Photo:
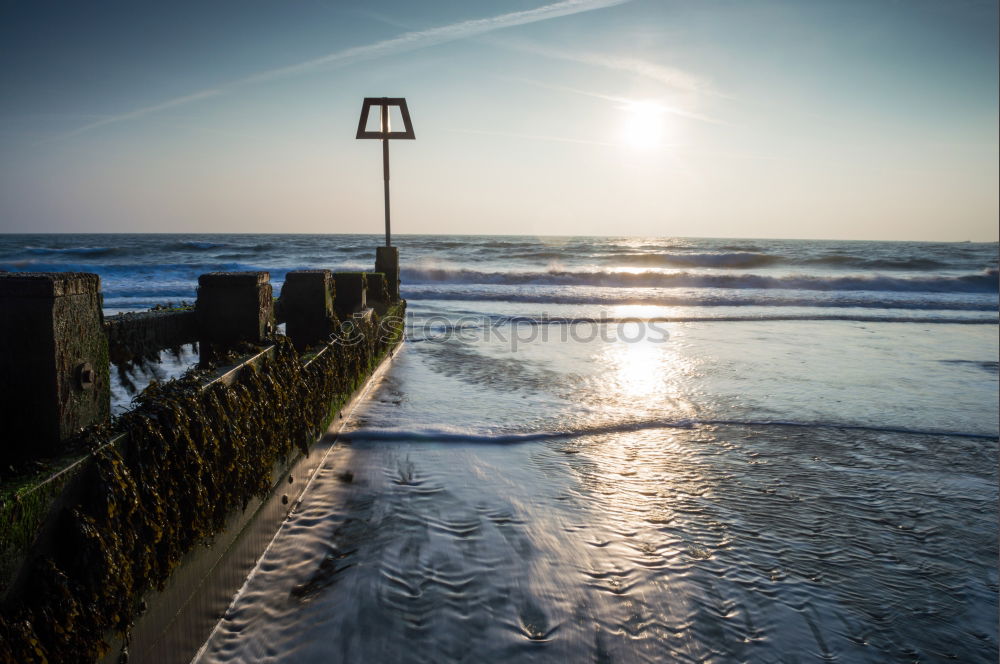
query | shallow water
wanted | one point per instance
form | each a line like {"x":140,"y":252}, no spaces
{"x":628,"y":450}
{"x":570,"y":502}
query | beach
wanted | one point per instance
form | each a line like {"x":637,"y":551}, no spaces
{"x":625,"y":449}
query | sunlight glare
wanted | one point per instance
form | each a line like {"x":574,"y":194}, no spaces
{"x":644,"y":125}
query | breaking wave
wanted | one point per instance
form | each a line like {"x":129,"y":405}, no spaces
{"x":730,"y":260}
{"x":984,"y":282}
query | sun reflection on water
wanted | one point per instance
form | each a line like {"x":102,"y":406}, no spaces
{"x":645,"y":371}
{"x":640,"y":369}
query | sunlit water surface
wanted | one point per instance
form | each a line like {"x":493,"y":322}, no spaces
{"x":738,"y":491}
{"x":811,"y":475}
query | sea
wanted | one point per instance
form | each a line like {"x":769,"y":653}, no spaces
{"x":622,"y":449}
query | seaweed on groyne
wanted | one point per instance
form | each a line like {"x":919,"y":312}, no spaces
{"x":191,"y":457}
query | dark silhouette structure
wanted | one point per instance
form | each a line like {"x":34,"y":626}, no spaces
{"x":385,"y":133}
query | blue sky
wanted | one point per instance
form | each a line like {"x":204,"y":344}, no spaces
{"x":857,"y":119}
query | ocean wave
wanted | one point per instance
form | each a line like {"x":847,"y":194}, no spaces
{"x":741,"y":254}
{"x":74,"y":251}
{"x":614,"y":297}
{"x":727,"y":260}
{"x":740,"y":247}
{"x":142,"y":270}
{"x":453,"y":436}
{"x":535,"y":256}
{"x":175,"y":246}
{"x":235,"y":256}
{"x":434,"y":328}
{"x":193,"y":245}
{"x":492,"y":245}
{"x":984,"y":282}
{"x":151,"y":291}
{"x":859,"y":262}
{"x":731,"y":260}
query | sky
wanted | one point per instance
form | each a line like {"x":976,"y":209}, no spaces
{"x":850,"y":119}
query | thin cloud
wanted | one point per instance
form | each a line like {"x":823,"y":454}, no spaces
{"x":403,"y":43}
{"x":670,"y":77}
{"x":146,"y":110}
{"x":622,"y":101}
{"x":534,"y":137}
{"x":440,"y":35}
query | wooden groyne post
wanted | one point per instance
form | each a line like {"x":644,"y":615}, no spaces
{"x":387,"y":263}
{"x":56,"y":346}
{"x":53,"y":359}
{"x":233,"y":307}
{"x":69,"y":505}
{"x":307,"y":306}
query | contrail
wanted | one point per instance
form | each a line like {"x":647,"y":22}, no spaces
{"x":534,"y":137}
{"x":177,"y":101}
{"x":408,"y":41}
{"x":622,"y":101}
{"x":440,"y":35}
{"x":668,"y":76}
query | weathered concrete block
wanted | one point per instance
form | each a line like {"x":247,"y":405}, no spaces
{"x":234,"y":307}
{"x":350,"y":293}
{"x":306,"y":304}
{"x":387,"y":262}
{"x":53,"y":358}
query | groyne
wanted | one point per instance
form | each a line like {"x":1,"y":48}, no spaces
{"x":124,"y":538}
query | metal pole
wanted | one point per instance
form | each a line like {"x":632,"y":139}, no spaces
{"x":385,"y":168}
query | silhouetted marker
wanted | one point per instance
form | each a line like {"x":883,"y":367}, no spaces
{"x":385,"y":133}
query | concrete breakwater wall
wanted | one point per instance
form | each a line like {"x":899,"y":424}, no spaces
{"x":114,"y":532}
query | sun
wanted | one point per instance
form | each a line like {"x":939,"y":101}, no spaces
{"x":644,"y":125}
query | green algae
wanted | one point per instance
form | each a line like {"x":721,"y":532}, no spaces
{"x":24,"y":503}
{"x":192,"y":456}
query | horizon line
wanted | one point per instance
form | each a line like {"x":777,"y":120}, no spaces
{"x":380,"y":234}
